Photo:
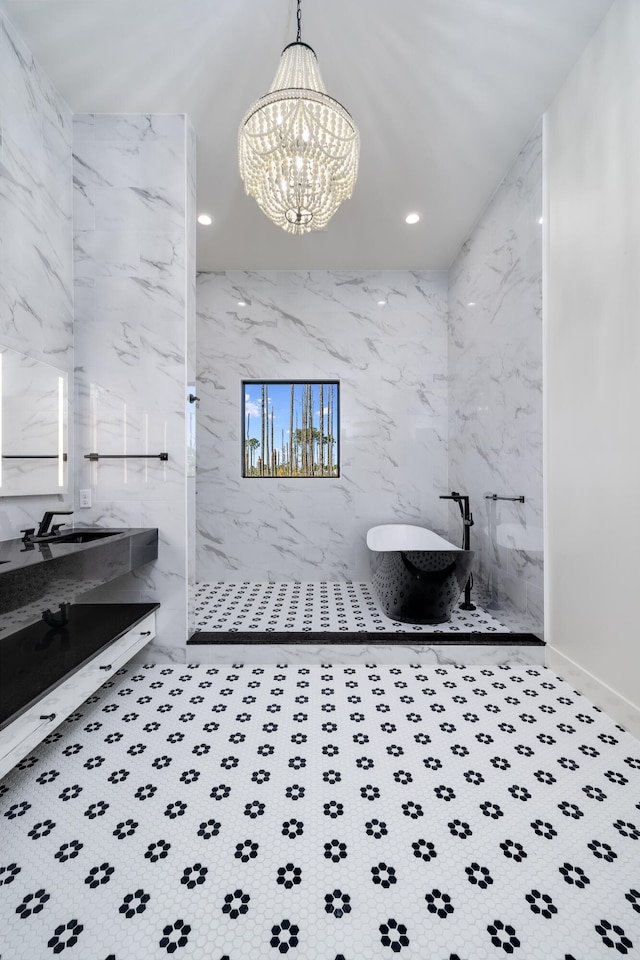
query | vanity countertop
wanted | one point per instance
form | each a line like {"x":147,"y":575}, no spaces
{"x":41,"y":575}
{"x":17,"y":555}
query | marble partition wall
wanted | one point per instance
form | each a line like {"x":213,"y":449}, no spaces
{"x":495,"y":391}
{"x":36,"y":266}
{"x":134,"y":179}
{"x":191,"y":407}
{"x":383,"y":335}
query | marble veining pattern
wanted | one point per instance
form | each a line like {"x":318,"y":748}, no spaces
{"x":433,"y":651}
{"x":495,"y":389}
{"x":134,"y":199}
{"x":391,"y":361}
{"x":323,"y":812}
{"x":36,"y":272}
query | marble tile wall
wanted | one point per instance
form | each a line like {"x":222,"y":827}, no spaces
{"x":134,"y":180}
{"x":495,"y":391}
{"x":36,"y":266}
{"x":433,"y":654}
{"x":391,"y":361}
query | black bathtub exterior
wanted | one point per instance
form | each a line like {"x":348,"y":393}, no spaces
{"x":420,"y":586}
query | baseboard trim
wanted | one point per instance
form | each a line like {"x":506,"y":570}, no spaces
{"x":623,"y":711}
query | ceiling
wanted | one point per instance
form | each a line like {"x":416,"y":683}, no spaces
{"x":444,"y":93}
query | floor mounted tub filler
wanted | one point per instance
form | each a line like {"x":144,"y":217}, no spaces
{"x":417,"y":576}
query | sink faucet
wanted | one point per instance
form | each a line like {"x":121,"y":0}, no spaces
{"x":43,"y":529}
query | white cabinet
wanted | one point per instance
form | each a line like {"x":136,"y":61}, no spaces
{"x":35,"y":723}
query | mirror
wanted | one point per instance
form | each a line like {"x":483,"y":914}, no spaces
{"x":33,"y":426}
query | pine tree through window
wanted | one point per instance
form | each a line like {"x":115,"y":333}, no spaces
{"x":290,"y":428}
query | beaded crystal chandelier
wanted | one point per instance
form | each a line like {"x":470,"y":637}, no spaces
{"x":297,"y":146}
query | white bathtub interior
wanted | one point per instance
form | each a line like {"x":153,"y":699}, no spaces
{"x":404,"y":537}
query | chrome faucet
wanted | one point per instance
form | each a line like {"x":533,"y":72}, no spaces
{"x":43,"y":529}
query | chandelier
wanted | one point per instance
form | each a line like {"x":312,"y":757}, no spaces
{"x":297,"y":146}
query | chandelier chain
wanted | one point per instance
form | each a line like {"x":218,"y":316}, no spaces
{"x":299,"y":18}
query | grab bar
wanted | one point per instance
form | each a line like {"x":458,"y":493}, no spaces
{"x":494,"y":496}
{"x":125,"y":456}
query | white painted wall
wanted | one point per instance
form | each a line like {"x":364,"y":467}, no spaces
{"x":592,"y":351}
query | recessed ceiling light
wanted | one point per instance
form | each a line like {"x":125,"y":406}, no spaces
{"x":242,"y":303}
{"x":471,"y":303}
{"x":205,"y":220}
{"x":412,"y":218}
{"x":382,"y":303}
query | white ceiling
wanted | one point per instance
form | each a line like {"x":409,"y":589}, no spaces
{"x":444,"y":93}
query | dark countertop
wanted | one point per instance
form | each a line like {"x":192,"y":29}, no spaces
{"x":39,"y":576}
{"x":37,"y":659}
{"x":16,"y":554}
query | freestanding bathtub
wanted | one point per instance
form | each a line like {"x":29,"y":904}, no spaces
{"x":417,"y":576}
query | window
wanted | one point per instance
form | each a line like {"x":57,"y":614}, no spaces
{"x":290,"y":428}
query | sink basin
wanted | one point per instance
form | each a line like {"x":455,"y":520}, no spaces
{"x":83,"y":536}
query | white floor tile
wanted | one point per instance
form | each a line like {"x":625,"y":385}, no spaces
{"x":323,"y":812}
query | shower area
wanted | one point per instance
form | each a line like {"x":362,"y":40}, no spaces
{"x":440,"y":385}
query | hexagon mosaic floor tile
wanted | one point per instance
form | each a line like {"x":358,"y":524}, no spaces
{"x":325,"y":813}
{"x":287,"y":606}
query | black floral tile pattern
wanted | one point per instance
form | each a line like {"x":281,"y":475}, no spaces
{"x":281,"y":607}
{"x":325,"y":813}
